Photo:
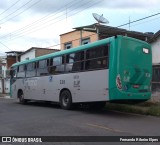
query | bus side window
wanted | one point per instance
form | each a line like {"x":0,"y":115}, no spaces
{"x":42,"y":68}
{"x":69,"y":62}
{"x":78,"y":61}
{"x":31,"y":69}
{"x":21,"y":71}
{"x":57,"y":65}
{"x":97,"y":58}
{"x":75,"y":61}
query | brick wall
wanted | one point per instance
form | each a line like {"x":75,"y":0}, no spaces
{"x":10,"y":60}
{"x":74,"y":37}
{"x":40,"y":52}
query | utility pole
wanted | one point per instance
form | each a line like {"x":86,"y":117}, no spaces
{"x":129,"y":22}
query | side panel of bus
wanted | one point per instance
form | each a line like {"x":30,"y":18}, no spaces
{"x":84,"y":87}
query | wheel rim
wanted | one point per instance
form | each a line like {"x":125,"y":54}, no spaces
{"x":65,"y":99}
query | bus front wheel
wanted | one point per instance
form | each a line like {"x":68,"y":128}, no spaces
{"x":66,"y":100}
{"x":21,"y":97}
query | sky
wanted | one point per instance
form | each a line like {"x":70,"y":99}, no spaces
{"x":38,"y":23}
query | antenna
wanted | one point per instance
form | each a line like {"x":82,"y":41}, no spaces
{"x":100,"y":18}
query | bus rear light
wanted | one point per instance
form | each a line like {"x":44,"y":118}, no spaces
{"x":135,"y":86}
{"x":145,"y":50}
{"x":118,"y":82}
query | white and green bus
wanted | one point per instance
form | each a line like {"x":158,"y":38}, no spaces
{"x":112,"y":69}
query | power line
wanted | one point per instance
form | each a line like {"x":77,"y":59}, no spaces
{"x":117,"y":27}
{"x":39,"y":20}
{"x":6,"y":46}
{"x":145,"y":22}
{"x":16,"y":10}
{"x":125,"y":23}
{"x":9,"y":48}
{"x":60,"y":18}
{"x":10,"y":7}
{"x":21,"y":12}
{"x":139,"y":20}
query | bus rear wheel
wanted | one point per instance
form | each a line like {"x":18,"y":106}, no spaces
{"x":21,"y":97}
{"x":66,"y":100}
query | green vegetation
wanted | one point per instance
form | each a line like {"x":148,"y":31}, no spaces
{"x":145,"y":108}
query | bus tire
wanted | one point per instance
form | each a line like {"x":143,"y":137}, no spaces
{"x":66,"y":100}
{"x":21,"y":97}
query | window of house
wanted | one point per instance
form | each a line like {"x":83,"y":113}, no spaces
{"x":68,"y":45}
{"x":156,"y":74}
{"x":85,"y":41}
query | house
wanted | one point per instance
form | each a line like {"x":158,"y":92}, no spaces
{"x":72,"y":39}
{"x":35,"y":52}
{"x":3,"y":69}
{"x":12,"y":57}
{"x":90,"y":33}
{"x":155,"y":43}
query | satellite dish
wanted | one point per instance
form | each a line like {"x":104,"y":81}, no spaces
{"x":100,"y":18}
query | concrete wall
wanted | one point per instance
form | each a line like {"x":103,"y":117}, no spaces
{"x":28,"y":55}
{"x":5,"y":86}
{"x":74,"y":37}
{"x":35,"y":53}
{"x":4,"y":68}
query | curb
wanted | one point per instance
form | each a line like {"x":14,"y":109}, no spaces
{"x":5,"y":97}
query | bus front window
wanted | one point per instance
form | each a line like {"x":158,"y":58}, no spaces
{"x":13,"y":72}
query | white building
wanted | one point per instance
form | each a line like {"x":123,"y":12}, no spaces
{"x":35,"y":52}
{"x":4,"y":80}
{"x":3,"y":66}
{"x":155,"y":43}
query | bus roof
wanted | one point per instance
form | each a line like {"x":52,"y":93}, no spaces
{"x":71,"y":50}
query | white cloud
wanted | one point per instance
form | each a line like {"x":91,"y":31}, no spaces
{"x":44,"y":37}
{"x":128,"y":4}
